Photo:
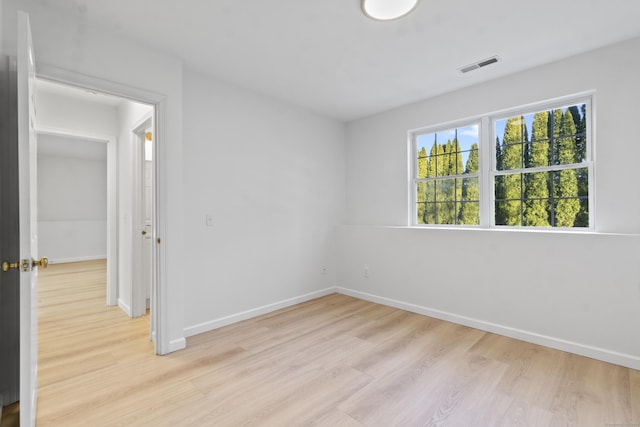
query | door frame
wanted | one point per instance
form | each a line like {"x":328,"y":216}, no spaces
{"x":159,"y":102}
{"x":112,"y":200}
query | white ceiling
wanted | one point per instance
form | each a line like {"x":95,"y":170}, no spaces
{"x":328,"y":57}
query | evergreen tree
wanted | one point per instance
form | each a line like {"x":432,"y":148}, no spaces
{"x":421,"y":189}
{"x":455,"y":158}
{"x":581,"y":151}
{"x":555,"y":131}
{"x":448,"y":162}
{"x":470,"y":209}
{"x":432,"y":164}
{"x":566,"y":191}
{"x":498,"y":185}
{"x":429,"y":188}
{"x":526,"y":148}
{"x":455,"y":168}
{"x":536,"y":211}
{"x":498,"y":154}
{"x":579,"y":118}
{"x":510,"y":210}
{"x":445,"y":188}
{"x":422,"y":163}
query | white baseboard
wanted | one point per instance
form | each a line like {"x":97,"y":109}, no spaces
{"x":178,"y":344}
{"x":605,"y":355}
{"x":77,"y":259}
{"x":124,"y":307}
{"x":238,"y":317}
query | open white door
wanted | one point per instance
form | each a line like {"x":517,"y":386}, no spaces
{"x":28,"y":226}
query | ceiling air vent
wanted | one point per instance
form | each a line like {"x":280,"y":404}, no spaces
{"x":479,"y":64}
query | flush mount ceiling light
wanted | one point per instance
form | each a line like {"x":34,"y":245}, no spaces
{"x":385,"y":10}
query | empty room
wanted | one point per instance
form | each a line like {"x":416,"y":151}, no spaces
{"x":349,"y":213}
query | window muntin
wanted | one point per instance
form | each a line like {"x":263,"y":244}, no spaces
{"x":538,"y":173}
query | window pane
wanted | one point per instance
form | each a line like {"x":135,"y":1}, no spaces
{"x":448,"y":201}
{"x":539,"y":154}
{"x":543,"y":199}
{"x":566,"y":211}
{"x":445,"y":213}
{"x":470,"y":206}
{"x":447,"y":193}
{"x":571,"y":198}
{"x":555,"y":137}
{"x":423,"y":162}
{"x":508,"y":212}
{"x":469,"y":213}
{"x":447,"y":152}
{"x":425,"y":193}
{"x":536,"y":200}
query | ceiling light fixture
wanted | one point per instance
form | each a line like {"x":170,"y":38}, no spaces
{"x":386,"y":10}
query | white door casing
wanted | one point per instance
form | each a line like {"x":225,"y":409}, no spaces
{"x":28,"y":224}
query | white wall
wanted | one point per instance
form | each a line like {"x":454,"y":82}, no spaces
{"x":272,"y":176}
{"x":575,"y":290}
{"x":71,"y":46}
{"x":72,"y":199}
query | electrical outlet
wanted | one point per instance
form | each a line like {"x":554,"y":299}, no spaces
{"x":365,"y":272}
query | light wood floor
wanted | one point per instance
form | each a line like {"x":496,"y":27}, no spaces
{"x":334,"y":361}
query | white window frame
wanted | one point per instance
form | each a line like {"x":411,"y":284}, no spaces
{"x":487,"y":168}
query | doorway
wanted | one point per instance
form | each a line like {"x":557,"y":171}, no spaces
{"x":117,"y":122}
{"x":143,"y":216}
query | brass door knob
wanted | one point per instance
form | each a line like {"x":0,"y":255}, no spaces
{"x":23,"y":265}
{"x":42,"y":262}
{"x":6,"y":266}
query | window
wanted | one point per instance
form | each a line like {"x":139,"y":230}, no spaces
{"x":447,"y":176}
{"x":537,"y":173}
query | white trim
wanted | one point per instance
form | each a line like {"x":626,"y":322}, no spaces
{"x":248,"y":314}
{"x":626,"y":360}
{"x":124,"y":307}
{"x":178,"y":344}
{"x":78,"y":259}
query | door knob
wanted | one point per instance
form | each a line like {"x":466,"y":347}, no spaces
{"x":42,"y":262}
{"x":6,"y":266}
{"x":22,"y":265}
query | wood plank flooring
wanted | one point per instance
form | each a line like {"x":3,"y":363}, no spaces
{"x":334,"y":361}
